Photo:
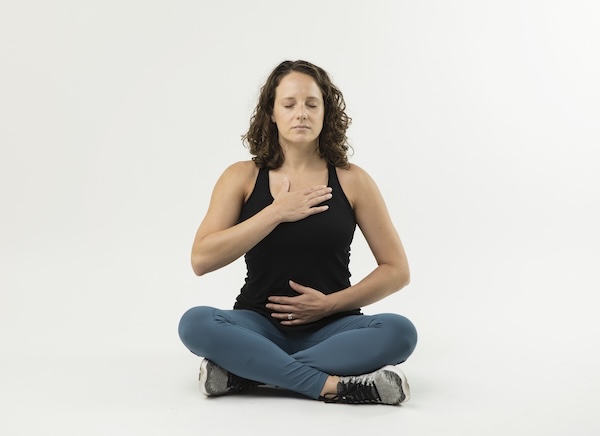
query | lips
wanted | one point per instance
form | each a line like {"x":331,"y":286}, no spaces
{"x":301,"y":127}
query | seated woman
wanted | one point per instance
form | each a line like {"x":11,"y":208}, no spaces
{"x":292,"y":211}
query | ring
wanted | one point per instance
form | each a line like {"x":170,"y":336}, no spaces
{"x":290,"y":317}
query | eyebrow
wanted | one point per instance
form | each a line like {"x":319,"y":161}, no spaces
{"x":308,"y":98}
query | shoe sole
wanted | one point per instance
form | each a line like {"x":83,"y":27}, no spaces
{"x":204,"y":376}
{"x":405,"y":394}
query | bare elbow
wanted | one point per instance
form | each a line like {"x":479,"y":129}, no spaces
{"x":402,"y":278}
{"x":406,"y":279}
{"x":198,"y":266}
{"x":197,"y":270}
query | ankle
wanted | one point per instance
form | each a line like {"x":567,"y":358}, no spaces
{"x":330,"y":386}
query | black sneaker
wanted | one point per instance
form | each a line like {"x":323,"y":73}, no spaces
{"x":387,"y":385}
{"x":215,"y":381}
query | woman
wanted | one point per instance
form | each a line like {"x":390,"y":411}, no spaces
{"x":292,"y":211}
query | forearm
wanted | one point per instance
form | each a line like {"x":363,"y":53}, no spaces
{"x":221,"y":248}
{"x":382,"y":282}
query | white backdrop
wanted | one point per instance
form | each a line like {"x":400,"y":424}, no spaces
{"x":480,"y":121}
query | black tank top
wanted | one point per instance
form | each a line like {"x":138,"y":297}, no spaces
{"x":313,"y":252}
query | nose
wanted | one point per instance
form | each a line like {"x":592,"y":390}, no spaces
{"x":302,"y":112}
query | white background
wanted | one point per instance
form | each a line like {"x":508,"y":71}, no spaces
{"x":479,"y":120}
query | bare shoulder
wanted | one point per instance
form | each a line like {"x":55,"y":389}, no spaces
{"x":240,"y":172}
{"x":356,"y":183}
{"x":352,"y":174}
{"x":240,"y":177}
{"x":241,"y":169}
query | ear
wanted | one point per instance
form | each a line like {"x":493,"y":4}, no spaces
{"x":272,"y":119}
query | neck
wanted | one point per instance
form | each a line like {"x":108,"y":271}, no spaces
{"x":299,"y":157}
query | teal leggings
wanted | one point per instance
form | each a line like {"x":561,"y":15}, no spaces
{"x":250,"y":346}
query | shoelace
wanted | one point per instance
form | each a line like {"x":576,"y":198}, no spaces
{"x":238,"y":383}
{"x":356,"y":390}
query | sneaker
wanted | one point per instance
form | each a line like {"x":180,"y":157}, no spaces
{"x":215,"y":381}
{"x":387,"y":385}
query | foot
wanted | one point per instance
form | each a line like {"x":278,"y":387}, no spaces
{"x":215,"y":381}
{"x":387,"y":385}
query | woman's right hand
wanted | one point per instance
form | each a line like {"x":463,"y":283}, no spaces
{"x":221,"y":238}
{"x":296,"y":205}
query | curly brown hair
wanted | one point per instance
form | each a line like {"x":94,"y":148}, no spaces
{"x":262,"y":138}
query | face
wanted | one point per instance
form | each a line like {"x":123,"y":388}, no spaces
{"x":298,"y":109}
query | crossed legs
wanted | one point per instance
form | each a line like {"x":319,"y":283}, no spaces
{"x":250,"y":346}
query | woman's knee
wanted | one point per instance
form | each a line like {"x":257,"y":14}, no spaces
{"x":402,"y":333}
{"x":194,"y":323}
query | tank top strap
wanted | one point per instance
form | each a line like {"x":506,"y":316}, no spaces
{"x":332,"y":178}
{"x":262,"y":180}
{"x":334,"y":183}
{"x":260,"y":196}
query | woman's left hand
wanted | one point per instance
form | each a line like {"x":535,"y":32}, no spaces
{"x":311,"y":305}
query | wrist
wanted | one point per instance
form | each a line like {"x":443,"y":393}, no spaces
{"x":333,"y":303}
{"x":274,"y":214}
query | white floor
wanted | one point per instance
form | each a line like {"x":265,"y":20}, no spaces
{"x":86,"y":353}
{"x":482,"y":379}
{"x":156,"y":394}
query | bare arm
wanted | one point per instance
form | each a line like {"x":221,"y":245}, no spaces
{"x":220,"y":239}
{"x":390,"y":275}
{"x":392,"y":272}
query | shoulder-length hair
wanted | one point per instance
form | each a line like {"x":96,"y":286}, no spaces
{"x":262,"y":138}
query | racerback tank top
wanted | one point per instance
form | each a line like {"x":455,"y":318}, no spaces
{"x":313,"y":252}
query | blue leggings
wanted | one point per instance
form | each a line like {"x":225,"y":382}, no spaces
{"x":250,"y":346}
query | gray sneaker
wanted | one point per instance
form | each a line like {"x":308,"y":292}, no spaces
{"x":387,"y":385}
{"x":215,"y":381}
